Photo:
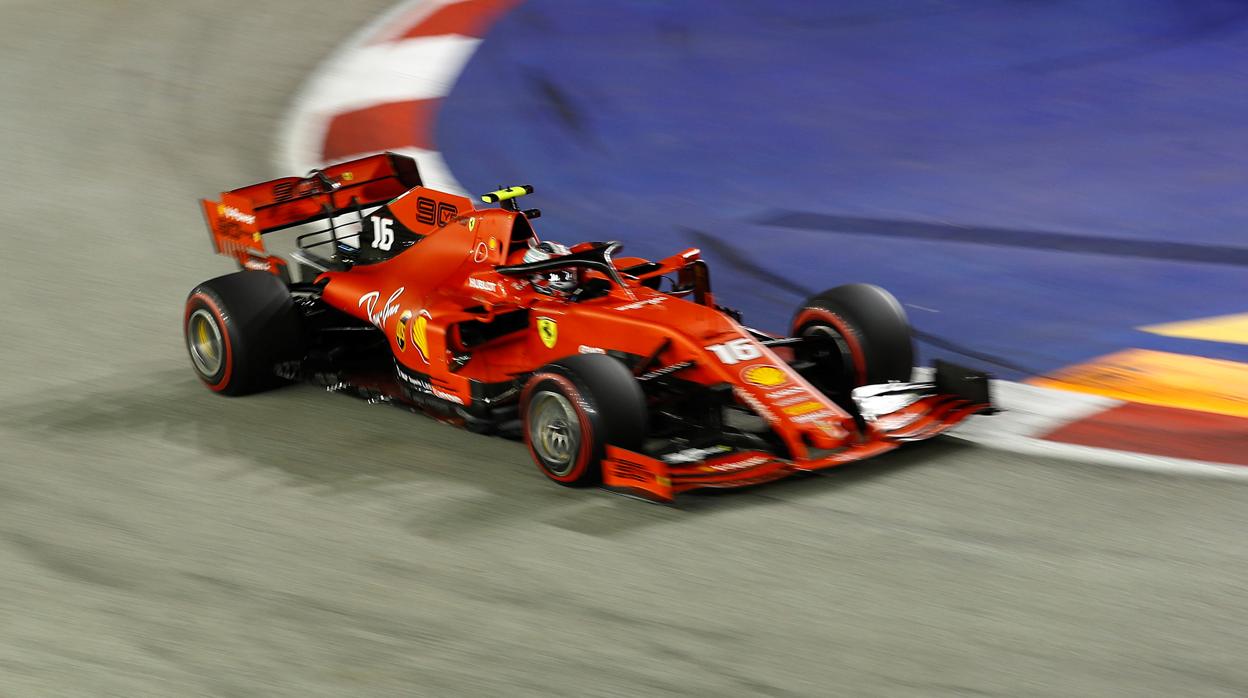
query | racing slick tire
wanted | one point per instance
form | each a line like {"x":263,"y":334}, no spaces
{"x":572,"y":408}
{"x":859,"y":335}
{"x":237,"y":327}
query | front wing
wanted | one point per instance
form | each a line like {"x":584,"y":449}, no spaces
{"x":889,"y":415}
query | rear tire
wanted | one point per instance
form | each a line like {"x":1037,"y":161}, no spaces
{"x":859,"y":336}
{"x":237,"y":328}
{"x":573,"y":408}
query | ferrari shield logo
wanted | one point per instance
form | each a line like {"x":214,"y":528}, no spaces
{"x":548,"y":330}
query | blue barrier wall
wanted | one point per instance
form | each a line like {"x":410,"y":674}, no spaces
{"x":1034,"y":180}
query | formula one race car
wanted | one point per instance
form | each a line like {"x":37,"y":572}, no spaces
{"x":612,"y":369}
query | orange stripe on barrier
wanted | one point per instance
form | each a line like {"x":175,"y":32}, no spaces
{"x":1160,"y":378}
{"x":1232,"y":329}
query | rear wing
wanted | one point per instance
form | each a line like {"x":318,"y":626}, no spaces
{"x":242,"y":217}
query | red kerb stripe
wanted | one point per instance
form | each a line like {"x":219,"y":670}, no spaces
{"x":1162,"y":431}
{"x":381,"y":127}
{"x":468,"y":18}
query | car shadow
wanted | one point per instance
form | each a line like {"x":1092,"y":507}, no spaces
{"x":335,"y":446}
{"x":848,"y":476}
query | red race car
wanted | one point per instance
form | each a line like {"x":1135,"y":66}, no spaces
{"x":613,"y":370}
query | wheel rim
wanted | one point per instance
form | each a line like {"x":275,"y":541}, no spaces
{"x":207,"y":346}
{"x":554,"y":431}
{"x":832,"y":344}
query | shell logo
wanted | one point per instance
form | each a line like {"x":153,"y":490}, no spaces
{"x":400,"y":330}
{"x":764,"y":375}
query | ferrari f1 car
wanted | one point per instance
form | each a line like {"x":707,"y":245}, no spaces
{"x":614,"y":370}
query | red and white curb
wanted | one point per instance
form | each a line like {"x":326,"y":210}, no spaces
{"x":1044,"y":421}
{"x":382,"y":90}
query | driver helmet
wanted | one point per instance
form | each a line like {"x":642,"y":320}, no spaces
{"x":550,"y":280}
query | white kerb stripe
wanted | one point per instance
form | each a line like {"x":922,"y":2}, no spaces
{"x":422,"y":68}
{"x":308,"y":118}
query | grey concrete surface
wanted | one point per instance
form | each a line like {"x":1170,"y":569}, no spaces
{"x":157,"y":540}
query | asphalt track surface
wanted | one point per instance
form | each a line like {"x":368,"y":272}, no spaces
{"x":158,"y":540}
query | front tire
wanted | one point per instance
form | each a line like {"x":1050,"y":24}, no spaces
{"x":237,"y":328}
{"x":858,"y":334}
{"x":573,"y":408}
